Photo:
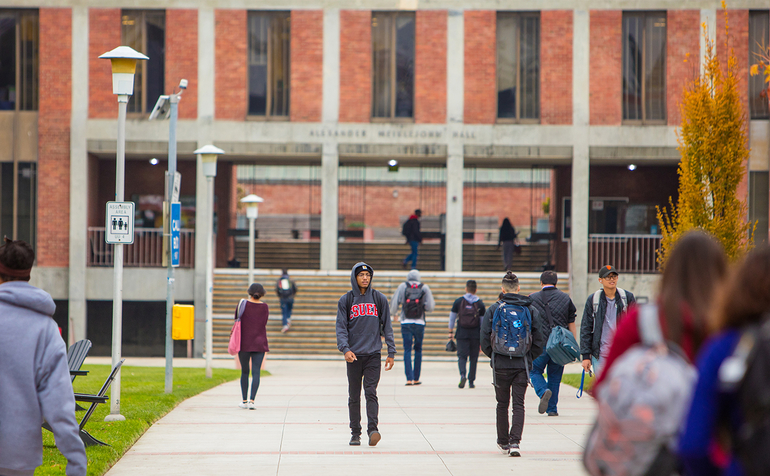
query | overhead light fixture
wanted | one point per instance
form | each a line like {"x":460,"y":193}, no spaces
{"x":392,"y":165}
{"x":153,"y":161}
{"x":632,"y":167}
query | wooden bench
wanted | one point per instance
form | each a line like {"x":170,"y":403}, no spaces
{"x":430,"y":227}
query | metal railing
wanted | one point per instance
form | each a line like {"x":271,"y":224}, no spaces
{"x":636,"y":254}
{"x":147,"y":250}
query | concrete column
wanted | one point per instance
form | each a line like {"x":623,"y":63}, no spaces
{"x":455,"y":59}
{"x":330,"y":165}
{"x":580,"y":157}
{"x":204,"y":124}
{"x":78,"y":177}
{"x":453,"y":260}
{"x":454,"y":208}
{"x":331,"y":66}
{"x":709,"y":17}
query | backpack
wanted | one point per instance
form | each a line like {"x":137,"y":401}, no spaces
{"x":468,"y":314}
{"x":285,"y":288}
{"x":746,"y":374}
{"x":598,"y":295}
{"x":413,"y":301}
{"x":511,"y":330}
{"x":642,"y":405}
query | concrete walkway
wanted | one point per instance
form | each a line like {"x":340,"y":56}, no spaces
{"x":300,"y":427}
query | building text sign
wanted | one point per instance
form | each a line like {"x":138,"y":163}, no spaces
{"x":120,"y":223}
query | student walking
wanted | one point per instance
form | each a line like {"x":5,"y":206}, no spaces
{"x":415,"y":299}
{"x":286,"y":289}
{"x":507,"y":238}
{"x":35,"y":383}
{"x":512,"y":336}
{"x":254,"y":314}
{"x":558,"y":304}
{"x":363,"y":317}
{"x":601,"y":314}
{"x":411,"y":231}
{"x":467,"y":310}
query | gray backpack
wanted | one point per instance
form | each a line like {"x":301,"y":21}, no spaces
{"x":642,"y":404}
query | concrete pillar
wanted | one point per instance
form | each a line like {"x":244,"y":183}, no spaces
{"x":580,"y":157}
{"x":204,"y":125}
{"x":330,"y":165}
{"x":453,"y":260}
{"x":709,"y":17}
{"x":78,"y":177}
{"x":330,"y":157}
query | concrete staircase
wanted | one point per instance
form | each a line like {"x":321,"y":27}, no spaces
{"x":312,"y":331}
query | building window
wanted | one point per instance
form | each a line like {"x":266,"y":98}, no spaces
{"x":269,"y":54}
{"x":392,"y":65}
{"x":145,"y":31}
{"x":759,"y":40}
{"x":644,"y":67}
{"x":518,"y":67}
{"x":19,"y":33}
{"x":18,"y":200}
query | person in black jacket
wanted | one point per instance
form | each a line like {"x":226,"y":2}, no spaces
{"x":511,"y":373}
{"x":467,"y":310}
{"x":598,"y":329}
{"x":563,"y":313}
{"x":411,"y":231}
{"x":507,"y":238}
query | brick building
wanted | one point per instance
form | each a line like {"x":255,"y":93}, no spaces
{"x":490,"y":111}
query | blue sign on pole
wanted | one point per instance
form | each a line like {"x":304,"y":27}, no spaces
{"x":176,"y":226}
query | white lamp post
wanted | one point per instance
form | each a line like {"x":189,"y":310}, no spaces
{"x":252,"y":210}
{"x":123,"y":59}
{"x":208,"y":155}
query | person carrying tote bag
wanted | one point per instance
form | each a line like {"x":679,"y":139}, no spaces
{"x":248,"y":340}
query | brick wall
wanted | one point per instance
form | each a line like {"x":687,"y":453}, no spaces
{"x":606,"y":70}
{"x":480,"y":67}
{"x":682,"y":56}
{"x":306,"y":65}
{"x":430,"y":67}
{"x":55,"y":89}
{"x":103,"y":36}
{"x":355,"y":66}
{"x":556,"y":67}
{"x":230,"y":86}
{"x":182,"y":58}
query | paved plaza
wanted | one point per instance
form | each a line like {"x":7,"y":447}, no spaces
{"x":300,"y":427}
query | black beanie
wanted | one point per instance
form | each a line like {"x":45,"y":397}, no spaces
{"x":363,"y":267}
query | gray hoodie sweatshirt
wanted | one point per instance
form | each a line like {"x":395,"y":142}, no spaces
{"x":412,"y":276}
{"x":34,"y":383}
{"x":358,"y":325}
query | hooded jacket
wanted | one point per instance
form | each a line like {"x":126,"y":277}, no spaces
{"x":360,"y":318}
{"x":538,"y":334}
{"x":35,"y":384}
{"x":591,"y":326}
{"x":462,"y":332}
{"x":411,"y":229}
{"x":412,"y":277}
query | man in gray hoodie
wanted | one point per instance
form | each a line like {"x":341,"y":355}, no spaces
{"x":35,"y":383}
{"x":363,"y":316}
{"x":415,"y":299}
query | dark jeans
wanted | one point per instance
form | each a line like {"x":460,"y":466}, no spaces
{"x":286,"y":307}
{"x":467,"y":348}
{"x":412,"y":332}
{"x":511,"y":385}
{"x":555,"y":372}
{"x":256,"y":365}
{"x":413,"y":255}
{"x":367,"y":369}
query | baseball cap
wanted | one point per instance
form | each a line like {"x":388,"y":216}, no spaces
{"x":607,"y":270}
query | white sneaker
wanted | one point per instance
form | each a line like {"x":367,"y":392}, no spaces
{"x":252,"y":406}
{"x":243,"y":405}
{"x":284,"y":329}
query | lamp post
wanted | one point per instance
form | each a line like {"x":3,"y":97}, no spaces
{"x":252,"y":210}
{"x":123,"y":59}
{"x":208,"y":155}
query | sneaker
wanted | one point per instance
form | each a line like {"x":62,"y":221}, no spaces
{"x":471,"y":384}
{"x":284,"y":329}
{"x":462,"y":382}
{"x":252,"y":406}
{"x":504,"y":448}
{"x":553,"y":413}
{"x":374,"y":438}
{"x":243,"y":405}
{"x":513,"y":450}
{"x":544,"y":401}
{"x":355,"y":440}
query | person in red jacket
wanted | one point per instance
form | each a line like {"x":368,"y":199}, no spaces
{"x":694,"y":271}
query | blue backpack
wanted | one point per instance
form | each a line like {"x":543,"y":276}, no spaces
{"x":511,"y":330}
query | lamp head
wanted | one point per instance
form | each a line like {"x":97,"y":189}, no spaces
{"x":209,"y":155}
{"x":252,"y":205}
{"x":123,"y":59}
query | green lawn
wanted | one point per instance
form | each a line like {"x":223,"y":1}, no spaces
{"x":143,"y":401}
{"x":574,"y":380}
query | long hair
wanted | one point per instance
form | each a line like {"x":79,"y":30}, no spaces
{"x":746,"y":296}
{"x":694,"y":272}
{"x":506,"y":225}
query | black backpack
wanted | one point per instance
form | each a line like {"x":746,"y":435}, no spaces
{"x":413,"y":301}
{"x":747,"y":373}
{"x":468,"y":314}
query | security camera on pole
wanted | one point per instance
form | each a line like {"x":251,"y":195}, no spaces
{"x":120,"y":214}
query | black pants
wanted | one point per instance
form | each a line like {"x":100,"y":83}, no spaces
{"x":467,"y":348}
{"x":367,"y":369}
{"x":256,"y":364}
{"x":511,"y":385}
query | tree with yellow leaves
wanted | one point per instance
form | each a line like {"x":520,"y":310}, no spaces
{"x":713,"y":146}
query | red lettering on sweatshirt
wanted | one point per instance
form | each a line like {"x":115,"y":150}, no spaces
{"x":364,"y":309}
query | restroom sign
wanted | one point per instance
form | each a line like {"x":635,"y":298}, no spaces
{"x":119,"y":223}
